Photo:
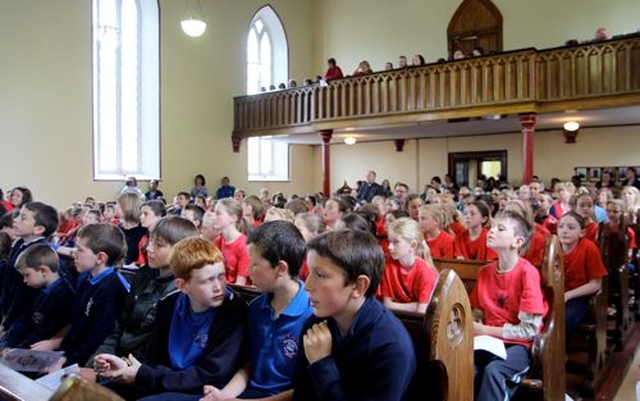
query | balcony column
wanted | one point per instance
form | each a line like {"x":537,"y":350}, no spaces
{"x":326,"y":161}
{"x":528,"y":123}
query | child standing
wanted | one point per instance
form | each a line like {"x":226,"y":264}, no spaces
{"x":354,"y":348}
{"x":38,"y":264}
{"x":432,"y":221}
{"x":231,"y":242}
{"x":583,"y":267}
{"x":199,"y":333}
{"x":507,"y":303}
{"x":472,"y":244}
{"x":407,"y":281}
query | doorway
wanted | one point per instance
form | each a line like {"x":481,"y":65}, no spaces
{"x":466,"y":167}
{"x":476,"y":23}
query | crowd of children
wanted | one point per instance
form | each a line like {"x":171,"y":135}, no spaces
{"x":135,"y":291}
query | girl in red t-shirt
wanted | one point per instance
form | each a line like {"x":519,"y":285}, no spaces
{"x":583,"y":267}
{"x":583,"y":204}
{"x":472,"y":244}
{"x":231,"y":242}
{"x":431,"y":221}
{"x":408,"y":280}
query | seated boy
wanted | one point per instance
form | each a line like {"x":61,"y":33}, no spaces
{"x":276,"y":251}
{"x":354,"y":348}
{"x":507,"y":303}
{"x":135,"y":325}
{"x":199,"y":332}
{"x":100,"y":292}
{"x":38,"y":264}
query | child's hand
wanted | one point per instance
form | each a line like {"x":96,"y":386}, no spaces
{"x":478,"y":328}
{"x":317,"y":342}
{"x":47,"y":345}
{"x":122,"y":370}
{"x":212,"y":393}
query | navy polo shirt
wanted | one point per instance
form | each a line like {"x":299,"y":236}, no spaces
{"x":275,"y":343}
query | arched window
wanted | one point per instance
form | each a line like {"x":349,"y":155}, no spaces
{"x":267,"y":64}
{"x":126,"y":89}
{"x":267,"y":51}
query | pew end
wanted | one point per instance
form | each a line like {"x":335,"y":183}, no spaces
{"x":76,"y":388}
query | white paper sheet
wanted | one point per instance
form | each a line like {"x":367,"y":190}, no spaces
{"x":490,"y":344}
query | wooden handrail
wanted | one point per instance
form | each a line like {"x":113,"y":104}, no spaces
{"x":592,"y":75}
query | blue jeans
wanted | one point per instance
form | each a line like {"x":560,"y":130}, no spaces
{"x":575,"y":311}
{"x":496,"y":378}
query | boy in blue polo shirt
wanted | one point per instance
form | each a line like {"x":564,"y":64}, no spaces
{"x":354,"y":348}
{"x":276,"y":318}
{"x":38,"y":264}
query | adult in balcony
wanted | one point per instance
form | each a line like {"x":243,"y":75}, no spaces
{"x":402,"y":62}
{"x":601,"y":34}
{"x":333,"y":71}
{"x":458,"y":55}
{"x":417,"y":60}
{"x":363,"y":68}
{"x":369,"y":189}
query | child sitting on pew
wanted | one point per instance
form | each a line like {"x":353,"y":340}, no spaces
{"x":38,"y":264}
{"x":354,"y":348}
{"x":508,"y":304}
{"x":472,"y":244}
{"x":432,"y":222}
{"x":199,"y":335}
{"x":583,"y":268}
{"x":583,"y":205}
{"x":408,"y":280}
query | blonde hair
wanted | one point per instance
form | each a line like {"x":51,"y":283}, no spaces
{"x":436,"y":213}
{"x":279,"y":214}
{"x":233,"y":208}
{"x":130,"y":205}
{"x":409,"y":230}
{"x":313,"y":222}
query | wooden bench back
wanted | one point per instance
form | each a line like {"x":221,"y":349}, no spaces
{"x":76,"y":388}
{"x":467,"y":270}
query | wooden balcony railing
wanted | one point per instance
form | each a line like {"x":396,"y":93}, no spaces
{"x":593,"y":75}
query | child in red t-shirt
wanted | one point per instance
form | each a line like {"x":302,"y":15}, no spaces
{"x":583,"y":268}
{"x":440,"y":242}
{"x":231,"y":242}
{"x":508,"y":304}
{"x":583,"y":205}
{"x":472,"y":244}
{"x":408,"y":280}
{"x":309,"y":225}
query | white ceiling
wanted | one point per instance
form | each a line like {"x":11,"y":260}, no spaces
{"x":507,"y":124}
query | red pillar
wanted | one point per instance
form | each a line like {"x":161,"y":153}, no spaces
{"x":528,"y":123}
{"x":326,"y":161}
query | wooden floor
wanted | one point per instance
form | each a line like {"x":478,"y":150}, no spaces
{"x":618,"y":370}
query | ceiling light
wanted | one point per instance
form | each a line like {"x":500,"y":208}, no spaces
{"x":571,"y":126}
{"x":350,"y":140}
{"x":193,"y":23}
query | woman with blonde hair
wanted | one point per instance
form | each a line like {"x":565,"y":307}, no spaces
{"x":129,"y":205}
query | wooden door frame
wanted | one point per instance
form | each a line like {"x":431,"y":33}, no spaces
{"x":500,"y":155}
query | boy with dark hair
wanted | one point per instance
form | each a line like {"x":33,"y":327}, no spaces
{"x":135,"y":325}
{"x":101,"y":292}
{"x":193,"y":213}
{"x":34,"y":224}
{"x":507,"y":303}
{"x":199,"y":333}
{"x":38,"y":264}
{"x":354,"y":348}
{"x":181,"y":200}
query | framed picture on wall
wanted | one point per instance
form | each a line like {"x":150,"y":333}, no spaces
{"x":594,"y":173}
{"x":581,"y":172}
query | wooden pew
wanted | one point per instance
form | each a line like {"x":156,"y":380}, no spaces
{"x":442,"y":340}
{"x":15,"y":386}
{"x":546,"y":379}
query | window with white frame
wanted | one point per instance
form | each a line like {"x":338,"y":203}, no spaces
{"x":267,"y":64}
{"x":126,"y":89}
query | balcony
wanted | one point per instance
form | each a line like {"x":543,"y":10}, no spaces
{"x":589,"y":76}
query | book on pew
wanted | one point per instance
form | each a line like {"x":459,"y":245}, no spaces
{"x":28,"y":360}
{"x":490,"y":344}
{"x":52,"y":380}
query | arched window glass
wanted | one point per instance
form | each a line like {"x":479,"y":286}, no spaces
{"x":126,"y":88}
{"x":267,"y":64}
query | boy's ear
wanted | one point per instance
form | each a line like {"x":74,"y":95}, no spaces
{"x":44,"y":269}
{"x":361,"y":286}
{"x":102,"y":257}
{"x":181,"y":284}
{"x":283,"y":268}
{"x":38,"y":229}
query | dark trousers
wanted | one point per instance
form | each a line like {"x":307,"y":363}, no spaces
{"x":246,"y":395}
{"x":575,"y":311}
{"x":497,"y":378}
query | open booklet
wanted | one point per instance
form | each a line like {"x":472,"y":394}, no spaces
{"x":52,"y":380}
{"x":27,"y":360}
{"x":490,"y":344}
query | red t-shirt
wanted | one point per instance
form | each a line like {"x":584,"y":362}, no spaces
{"x":501,"y":296}
{"x":405,"y":286}
{"x":535,"y":251}
{"x":473,"y":250}
{"x":143,"y":260}
{"x":542,"y":230}
{"x":457,"y":228}
{"x":591,"y":232}
{"x":582,"y":264}
{"x":236,"y":258}
{"x":442,"y":245}
{"x":304,"y":270}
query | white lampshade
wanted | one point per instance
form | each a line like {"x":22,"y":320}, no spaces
{"x":193,"y":27}
{"x":571,"y":126}
{"x":350,"y":140}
